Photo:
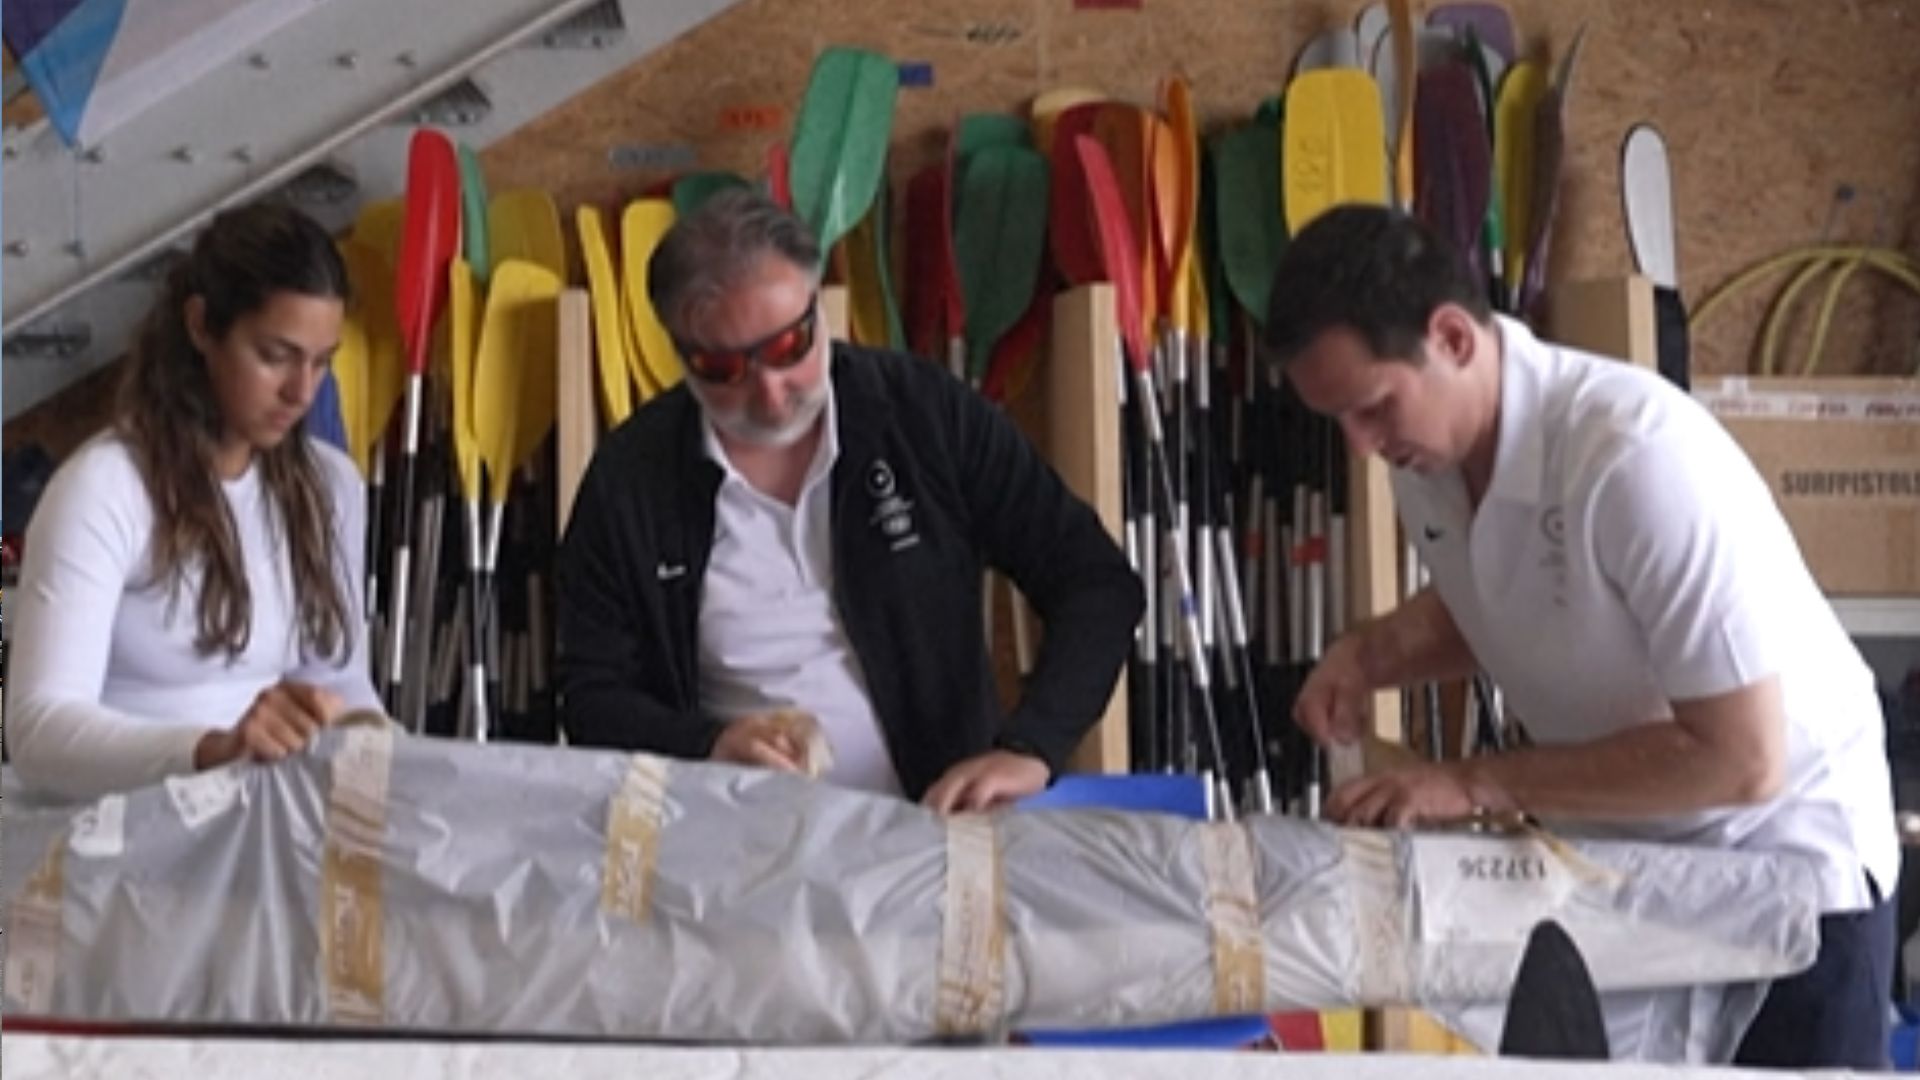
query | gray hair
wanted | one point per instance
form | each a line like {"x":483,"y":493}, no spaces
{"x":708,"y":251}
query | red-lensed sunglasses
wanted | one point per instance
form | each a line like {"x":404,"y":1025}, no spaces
{"x":777,"y":351}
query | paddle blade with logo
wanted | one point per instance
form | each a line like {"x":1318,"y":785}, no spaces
{"x":1334,"y":144}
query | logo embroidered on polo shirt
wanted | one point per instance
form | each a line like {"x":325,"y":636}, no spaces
{"x":892,"y":512}
{"x":1553,"y":529}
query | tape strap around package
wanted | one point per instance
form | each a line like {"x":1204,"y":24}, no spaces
{"x":1233,"y":919}
{"x":352,"y":925}
{"x":34,"y":929}
{"x":1379,"y":916}
{"x":1737,"y":398}
{"x":971,"y":994}
{"x":633,"y":838}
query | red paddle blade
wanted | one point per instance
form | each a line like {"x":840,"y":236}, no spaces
{"x":428,"y":244}
{"x":1014,"y":353}
{"x":1113,"y":232}
{"x":946,"y":252}
{"x":1069,"y":223}
{"x":926,"y":278}
{"x":780,"y":187}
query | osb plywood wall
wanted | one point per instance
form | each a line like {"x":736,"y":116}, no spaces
{"x":1768,"y":107}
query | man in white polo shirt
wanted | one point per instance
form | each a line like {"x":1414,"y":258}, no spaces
{"x":801,"y":525}
{"x":1605,"y":552}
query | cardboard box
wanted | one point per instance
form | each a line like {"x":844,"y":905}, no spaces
{"x":1842,"y":456}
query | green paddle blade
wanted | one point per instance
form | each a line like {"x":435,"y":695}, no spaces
{"x":693,"y":189}
{"x":473,"y":224}
{"x":883,"y":265}
{"x":1000,"y":234}
{"x":1252,"y":230}
{"x":839,"y":148}
{"x":977,"y":131}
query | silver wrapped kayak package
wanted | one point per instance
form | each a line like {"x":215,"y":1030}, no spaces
{"x":387,"y":882}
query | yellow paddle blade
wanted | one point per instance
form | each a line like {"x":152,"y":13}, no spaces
{"x":525,"y":224}
{"x":1518,"y":99}
{"x":370,"y":277}
{"x":1048,"y":107}
{"x":515,"y":380}
{"x":380,"y":225}
{"x":463,"y":331}
{"x":867,"y":298}
{"x":642,"y":225}
{"x":351,"y":376}
{"x":1334,"y":144}
{"x":609,"y":321}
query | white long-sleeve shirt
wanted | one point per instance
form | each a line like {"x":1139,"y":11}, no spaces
{"x":106,"y":691}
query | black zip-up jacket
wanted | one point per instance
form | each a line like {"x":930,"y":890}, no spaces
{"x":931,"y":482}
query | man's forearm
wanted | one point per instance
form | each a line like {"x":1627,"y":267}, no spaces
{"x":1647,"y":771}
{"x":1416,"y":642}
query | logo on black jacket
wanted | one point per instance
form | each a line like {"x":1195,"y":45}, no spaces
{"x":892,"y":512}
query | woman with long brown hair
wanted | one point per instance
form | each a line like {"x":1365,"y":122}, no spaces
{"x":188,"y":595}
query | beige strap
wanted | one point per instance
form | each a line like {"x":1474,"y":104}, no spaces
{"x":1233,"y":918}
{"x":971,"y":998}
{"x":633,"y":838}
{"x":1379,"y":916}
{"x":33,"y":935}
{"x":352,"y":926}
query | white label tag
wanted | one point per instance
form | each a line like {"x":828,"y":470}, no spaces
{"x":99,"y":831}
{"x":203,"y":796}
{"x":1486,"y":890}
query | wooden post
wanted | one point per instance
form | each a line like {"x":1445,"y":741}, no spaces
{"x":1083,"y":444}
{"x":1609,"y":316}
{"x":579,"y":415}
{"x":1373,"y":567}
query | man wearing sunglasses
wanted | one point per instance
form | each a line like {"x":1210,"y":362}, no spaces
{"x":802,"y":525}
